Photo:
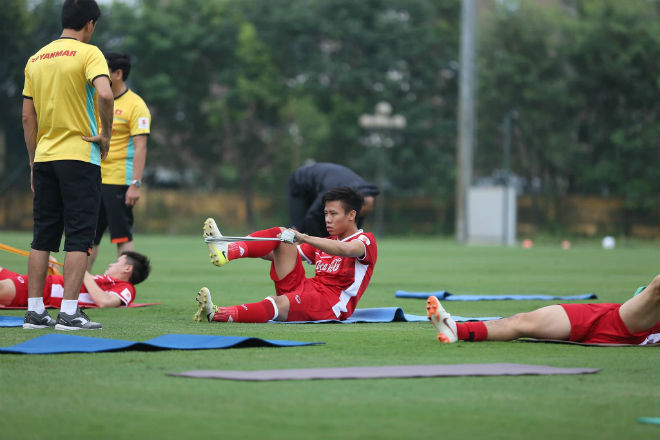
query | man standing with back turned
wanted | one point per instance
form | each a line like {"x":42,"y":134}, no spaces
{"x":67,"y":88}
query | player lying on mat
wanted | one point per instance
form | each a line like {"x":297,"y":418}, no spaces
{"x":116,"y":287}
{"x":632,"y":322}
{"x":344,"y":263}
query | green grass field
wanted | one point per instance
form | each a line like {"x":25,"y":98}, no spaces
{"x":128,"y":395}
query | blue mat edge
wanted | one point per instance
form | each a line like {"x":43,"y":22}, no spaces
{"x":11,"y":321}
{"x":446,"y":296}
{"x":397,"y":315}
{"x":126,"y":345}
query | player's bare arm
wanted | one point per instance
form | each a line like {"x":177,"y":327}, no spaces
{"x":106,"y":104}
{"x":100,"y":297}
{"x":353,"y":248}
{"x":30,"y":126}
{"x":139,"y":159}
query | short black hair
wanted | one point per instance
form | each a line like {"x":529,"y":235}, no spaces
{"x":76,"y":13}
{"x":141,"y":266}
{"x":349,"y":198}
{"x":121,"y":61}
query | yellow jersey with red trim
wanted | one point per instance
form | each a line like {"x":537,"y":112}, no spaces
{"x":59,"y":80}
{"x":131,"y":118}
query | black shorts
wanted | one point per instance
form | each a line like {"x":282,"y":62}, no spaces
{"x":115,"y":214}
{"x":67,"y":198}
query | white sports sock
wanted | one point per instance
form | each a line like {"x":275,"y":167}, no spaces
{"x":36,"y":305}
{"x":275,"y":307}
{"x":69,"y":306}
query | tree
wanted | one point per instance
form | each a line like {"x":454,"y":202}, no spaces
{"x":523,"y":68}
{"x":347,"y":56}
{"x":247,"y":107}
{"x":15,"y":34}
{"x":179,"y":48}
{"x":616,"y":58}
{"x":583,"y":80}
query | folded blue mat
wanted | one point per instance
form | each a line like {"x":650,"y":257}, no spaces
{"x":11,"y":321}
{"x":65,"y":343}
{"x":443,"y":295}
{"x":384,"y":314}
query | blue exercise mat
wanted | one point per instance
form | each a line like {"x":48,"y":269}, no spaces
{"x":11,"y":321}
{"x":385,"y":314}
{"x":206,"y":342}
{"x":443,"y":295}
{"x":66,"y":343}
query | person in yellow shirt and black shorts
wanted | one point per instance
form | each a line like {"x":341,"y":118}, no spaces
{"x":66,"y":94}
{"x":122,"y":170}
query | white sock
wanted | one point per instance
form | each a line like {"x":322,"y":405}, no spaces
{"x":36,"y":305}
{"x":69,"y":306}
{"x":275,"y":307}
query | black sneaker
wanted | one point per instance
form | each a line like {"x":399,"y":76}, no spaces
{"x":38,"y":320}
{"x":77,"y":321}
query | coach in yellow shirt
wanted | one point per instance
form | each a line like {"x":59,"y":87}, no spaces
{"x":122,"y":170}
{"x":66,"y":93}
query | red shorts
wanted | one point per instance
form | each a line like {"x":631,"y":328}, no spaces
{"x":600,"y":323}
{"x":306,"y":302}
{"x":21,"y":285}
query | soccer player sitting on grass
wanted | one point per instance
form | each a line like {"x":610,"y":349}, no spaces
{"x":634,"y":322}
{"x":116,"y":287}
{"x":344,"y":264}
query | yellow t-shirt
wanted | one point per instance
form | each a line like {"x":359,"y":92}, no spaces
{"x":58,"y":79}
{"x":131,"y":118}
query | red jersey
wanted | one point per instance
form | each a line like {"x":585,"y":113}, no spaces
{"x":346,"y":277}
{"x":54,"y":290}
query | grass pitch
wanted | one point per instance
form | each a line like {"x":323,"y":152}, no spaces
{"x":127,"y":395}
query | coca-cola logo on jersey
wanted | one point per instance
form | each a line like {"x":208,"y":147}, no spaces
{"x":332,"y":266}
